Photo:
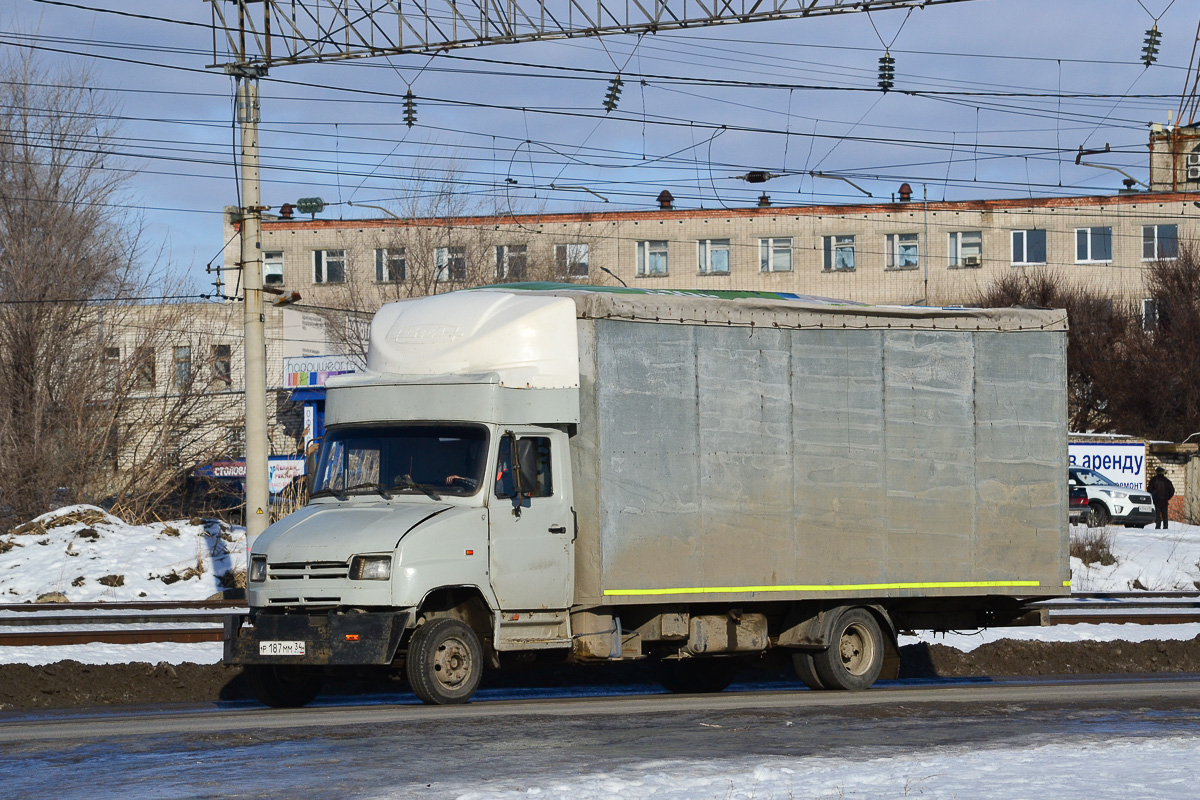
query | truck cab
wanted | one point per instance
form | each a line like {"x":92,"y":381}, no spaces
{"x":440,"y":515}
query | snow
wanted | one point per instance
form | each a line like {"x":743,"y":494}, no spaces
{"x":69,"y":550}
{"x":1158,"y":560}
{"x":1100,"y":769}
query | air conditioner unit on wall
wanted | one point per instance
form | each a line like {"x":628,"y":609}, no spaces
{"x":1193,"y":159}
{"x":970,"y":261}
{"x":1193,"y":174}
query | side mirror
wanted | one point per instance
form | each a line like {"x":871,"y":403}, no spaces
{"x":310,"y":467}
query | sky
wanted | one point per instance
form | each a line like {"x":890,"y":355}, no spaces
{"x":990,"y":101}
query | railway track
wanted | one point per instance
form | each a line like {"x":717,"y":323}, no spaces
{"x":30,"y":625}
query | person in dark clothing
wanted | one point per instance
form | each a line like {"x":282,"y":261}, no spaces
{"x":1162,"y":490}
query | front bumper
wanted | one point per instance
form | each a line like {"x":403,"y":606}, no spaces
{"x":329,"y":638}
{"x":1135,"y":518}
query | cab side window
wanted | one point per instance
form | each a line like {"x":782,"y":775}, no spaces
{"x":504,"y":477}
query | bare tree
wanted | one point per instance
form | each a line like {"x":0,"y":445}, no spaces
{"x":73,"y":331}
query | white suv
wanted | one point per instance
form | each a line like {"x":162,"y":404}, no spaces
{"x":1111,"y":502}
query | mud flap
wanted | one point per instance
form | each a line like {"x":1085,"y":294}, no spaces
{"x":328,"y":639}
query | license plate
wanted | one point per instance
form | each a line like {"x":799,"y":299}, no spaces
{"x":281,"y":648}
{"x":1145,"y":508}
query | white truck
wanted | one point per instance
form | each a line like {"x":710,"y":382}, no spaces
{"x":602,"y":475}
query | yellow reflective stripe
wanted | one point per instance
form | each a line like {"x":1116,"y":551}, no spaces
{"x":847,"y":587}
{"x":1066,"y":583}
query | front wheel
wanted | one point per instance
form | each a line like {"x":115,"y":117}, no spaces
{"x":445,"y":662}
{"x":854,"y":658}
{"x":283,"y":685}
{"x":1100,"y":516}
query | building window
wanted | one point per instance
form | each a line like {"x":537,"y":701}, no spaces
{"x":510,"y":261}
{"x":651,"y":258}
{"x":111,"y":364}
{"x":1160,"y":242}
{"x":390,"y":265}
{"x":839,"y":253}
{"x":235,"y":441}
{"x":143,"y":369}
{"x":571,"y":260}
{"x":1029,"y":247}
{"x":171,"y":451}
{"x":1149,"y":314}
{"x":1093,"y":244}
{"x":182,"y":367}
{"x":329,"y":266}
{"x":450,"y":264}
{"x":222,"y":364}
{"x":272,"y":268}
{"x":713,"y":256}
{"x":966,"y":248}
{"x":902,"y":251}
{"x":775,"y":255}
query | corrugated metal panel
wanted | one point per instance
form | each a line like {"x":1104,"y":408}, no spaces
{"x":731,"y":457}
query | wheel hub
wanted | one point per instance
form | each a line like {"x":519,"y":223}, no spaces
{"x":855,"y":649}
{"x":452,"y":664}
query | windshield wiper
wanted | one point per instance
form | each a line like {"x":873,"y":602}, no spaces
{"x":328,"y":491}
{"x":379,"y":487}
{"x":407,"y":482}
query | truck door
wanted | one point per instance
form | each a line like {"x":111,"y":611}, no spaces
{"x":531,"y":554}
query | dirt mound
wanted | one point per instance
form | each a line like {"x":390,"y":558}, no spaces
{"x":69,"y":684}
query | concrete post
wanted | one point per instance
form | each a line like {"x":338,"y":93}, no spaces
{"x":257,"y":489}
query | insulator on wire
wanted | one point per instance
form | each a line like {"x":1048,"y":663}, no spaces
{"x":1150,"y":48}
{"x":410,"y":109}
{"x":887,"y":72}
{"x":614,"y":94}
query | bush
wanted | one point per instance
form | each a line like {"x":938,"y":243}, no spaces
{"x":1093,"y":546}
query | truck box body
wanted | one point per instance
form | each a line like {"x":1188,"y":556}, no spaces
{"x":772,"y":450}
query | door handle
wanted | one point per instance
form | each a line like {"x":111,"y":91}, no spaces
{"x":558,"y":528}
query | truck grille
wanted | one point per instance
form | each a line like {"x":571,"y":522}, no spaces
{"x":308,"y":571}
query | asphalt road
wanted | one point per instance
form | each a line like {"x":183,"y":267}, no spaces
{"x":353,"y":750}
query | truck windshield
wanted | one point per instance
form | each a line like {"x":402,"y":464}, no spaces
{"x":419,"y":458}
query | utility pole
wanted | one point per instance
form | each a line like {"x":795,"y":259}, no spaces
{"x":254,"y":345}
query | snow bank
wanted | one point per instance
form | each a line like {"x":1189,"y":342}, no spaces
{"x":1154,"y":560}
{"x":1098,"y":769}
{"x":86,"y":554}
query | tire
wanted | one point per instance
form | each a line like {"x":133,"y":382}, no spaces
{"x":444,"y":662}
{"x":695,"y":675}
{"x":283,"y":685}
{"x":1100,"y":516}
{"x":806,"y":669}
{"x":855,"y":654}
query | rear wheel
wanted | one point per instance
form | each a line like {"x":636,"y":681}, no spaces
{"x":806,"y":669}
{"x":444,"y":662}
{"x":855,"y":654}
{"x":1100,"y":516}
{"x":695,"y":675}
{"x":283,"y":685}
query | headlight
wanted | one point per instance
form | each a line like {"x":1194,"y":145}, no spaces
{"x":1113,"y":493}
{"x":371,"y":568}
{"x":258,"y":569}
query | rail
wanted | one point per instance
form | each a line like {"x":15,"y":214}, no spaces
{"x":28,"y":624}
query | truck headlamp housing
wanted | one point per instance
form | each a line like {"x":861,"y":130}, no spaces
{"x":258,"y":569}
{"x":371,"y":568}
